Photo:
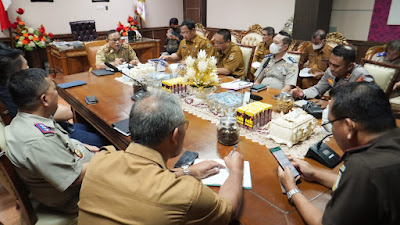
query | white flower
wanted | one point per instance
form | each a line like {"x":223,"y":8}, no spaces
{"x":214,"y":78}
{"x":202,"y":55}
{"x":189,"y":61}
{"x":191,"y":73}
{"x":202,"y":66}
{"x":19,"y":42}
{"x":212,"y":61}
{"x":30,"y":30}
{"x":31,"y":44}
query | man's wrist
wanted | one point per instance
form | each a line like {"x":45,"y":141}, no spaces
{"x":291,"y":193}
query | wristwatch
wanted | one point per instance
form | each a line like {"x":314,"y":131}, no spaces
{"x":186,"y":170}
{"x":291,"y":193}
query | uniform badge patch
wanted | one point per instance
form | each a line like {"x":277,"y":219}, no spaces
{"x":269,"y":55}
{"x":44,"y":129}
{"x":208,"y":45}
{"x":78,"y":153}
{"x":380,"y":54}
{"x":231,"y":56}
{"x":348,"y":75}
{"x":330,"y":81}
{"x":292,"y":59}
{"x":360,"y":79}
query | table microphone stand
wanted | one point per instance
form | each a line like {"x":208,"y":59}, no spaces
{"x":138,"y":87}
{"x":257,"y":97}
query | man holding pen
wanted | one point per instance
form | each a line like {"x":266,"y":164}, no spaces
{"x":138,"y":181}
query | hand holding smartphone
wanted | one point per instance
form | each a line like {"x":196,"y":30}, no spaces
{"x":283,"y":160}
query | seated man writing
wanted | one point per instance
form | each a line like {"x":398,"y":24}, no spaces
{"x":229,"y":55}
{"x":366,"y":190}
{"x":342,"y":69}
{"x":278,"y":70}
{"x":135,"y":186}
{"x":115,"y":52}
{"x":49,"y":162}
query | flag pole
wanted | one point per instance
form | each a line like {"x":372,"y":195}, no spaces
{"x":11,"y":38}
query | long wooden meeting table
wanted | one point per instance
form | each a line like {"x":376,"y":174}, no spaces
{"x":263,"y":204}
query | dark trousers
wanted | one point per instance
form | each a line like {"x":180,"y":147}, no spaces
{"x":87,"y":135}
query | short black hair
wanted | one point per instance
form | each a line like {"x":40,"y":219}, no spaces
{"x":365,"y":103}
{"x":393,"y":45}
{"x":321,"y":34}
{"x":347,"y":52}
{"x":10,"y":62}
{"x":189,"y":23}
{"x":173,"y":21}
{"x":270,"y":30}
{"x":111,"y":32}
{"x":226,"y":34}
{"x":287,"y":39}
{"x":26,"y":86}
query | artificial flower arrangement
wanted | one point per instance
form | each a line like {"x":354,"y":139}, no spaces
{"x":132,"y":25}
{"x":27,"y":37}
{"x":201,"y":72}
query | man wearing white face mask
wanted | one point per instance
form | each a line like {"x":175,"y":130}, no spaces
{"x":317,"y":54}
{"x":278,"y":70}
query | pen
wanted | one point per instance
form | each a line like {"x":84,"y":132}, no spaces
{"x":234,"y":149}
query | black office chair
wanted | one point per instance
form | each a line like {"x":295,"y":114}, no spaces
{"x":84,"y":30}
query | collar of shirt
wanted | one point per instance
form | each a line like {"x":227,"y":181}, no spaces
{"x":193,"y":39}
{"x":285,"y":57}
{"x":147,"y":153}
{"x":49,"y":122}
{"x":227,"y":50}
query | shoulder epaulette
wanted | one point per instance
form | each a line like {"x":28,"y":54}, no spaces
{"x":380,"y":54}
{"x":291,"y":59}
{"x":269,"y":55}
{"x":43,"y":128}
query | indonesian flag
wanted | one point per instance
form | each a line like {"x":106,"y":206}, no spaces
{"x":4,"y":21}
{"x":141,"y":9}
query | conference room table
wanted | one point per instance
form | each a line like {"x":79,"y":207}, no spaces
{"x":263,"y":204}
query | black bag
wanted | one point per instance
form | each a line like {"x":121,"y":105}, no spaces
{"x":313,"y":109}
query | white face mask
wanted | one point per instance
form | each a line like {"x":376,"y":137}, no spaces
{"x":274,"y":48}
{"x":315,"y":47}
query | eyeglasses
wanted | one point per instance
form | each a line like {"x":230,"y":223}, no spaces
{"x":220,"y":43}
{"x":115,"y":39}
{"x":186,"y":123}
{"x":329,"y":128}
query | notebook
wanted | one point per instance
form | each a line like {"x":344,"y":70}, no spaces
{"x":220,"y":178}
{"x":102,"y":72}
{"x":71,"y":84}
{"x":122,"y":127}
{"x":236,"y":85}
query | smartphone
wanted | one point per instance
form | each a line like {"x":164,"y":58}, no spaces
{"x":258,"y":87}
{"x":91,"y":99}
{"x":283,"y":160}
{"x":187,"y":158}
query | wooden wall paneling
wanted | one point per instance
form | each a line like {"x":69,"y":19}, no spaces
{"x":310,"y":15}
{"x":195,"y":10}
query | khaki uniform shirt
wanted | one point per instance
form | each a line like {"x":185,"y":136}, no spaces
{"x":107,"y":54}
{"x":193,"y":46}
{"x":317,"y":59}
{"x":328,"y":81}
{"x":262,"y":51}
{"x":231,"y":59}
{"x":136,"y":187}
{"x":278,"y":74}
{"x":46,"y":159}
{"x":381,"y":57}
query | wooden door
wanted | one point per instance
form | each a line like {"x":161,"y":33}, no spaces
{"x":195,"y":10}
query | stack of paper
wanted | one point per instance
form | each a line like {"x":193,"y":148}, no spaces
{"x":236,"y":85}
{"x":220,"y":178}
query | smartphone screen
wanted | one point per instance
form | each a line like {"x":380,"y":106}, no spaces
{"x":283,"y":160}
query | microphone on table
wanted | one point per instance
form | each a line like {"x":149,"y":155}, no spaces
{"x":257,"y":97}
{"x":138,"y":87}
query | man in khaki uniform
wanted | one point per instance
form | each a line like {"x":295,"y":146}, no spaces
{"x":262,"y":49}
{"x":278,"y":70}
{"x":51,"y":164}
{"x":135,"y":186}
{"x":115,"y":52}
{"x":391,"y":55}
{"x":229,"y":55}
{"x":191,"y":44}
{"x":317,"y":54}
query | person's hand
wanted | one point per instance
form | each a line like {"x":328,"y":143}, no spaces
{"x":119,"y":61}
{"x":321,"y":103}
{"x":305,"y":169}
{"x":286,"y":178}
{"x":297,"y":92}
{"x":165,"y":57}
{"x":318,"y":75}
{"x":92,"y":148}
{"x":396,"y":85}
{"x":234,"y":162}
{"x":134,"y":62}
{"x":205,"y":169}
